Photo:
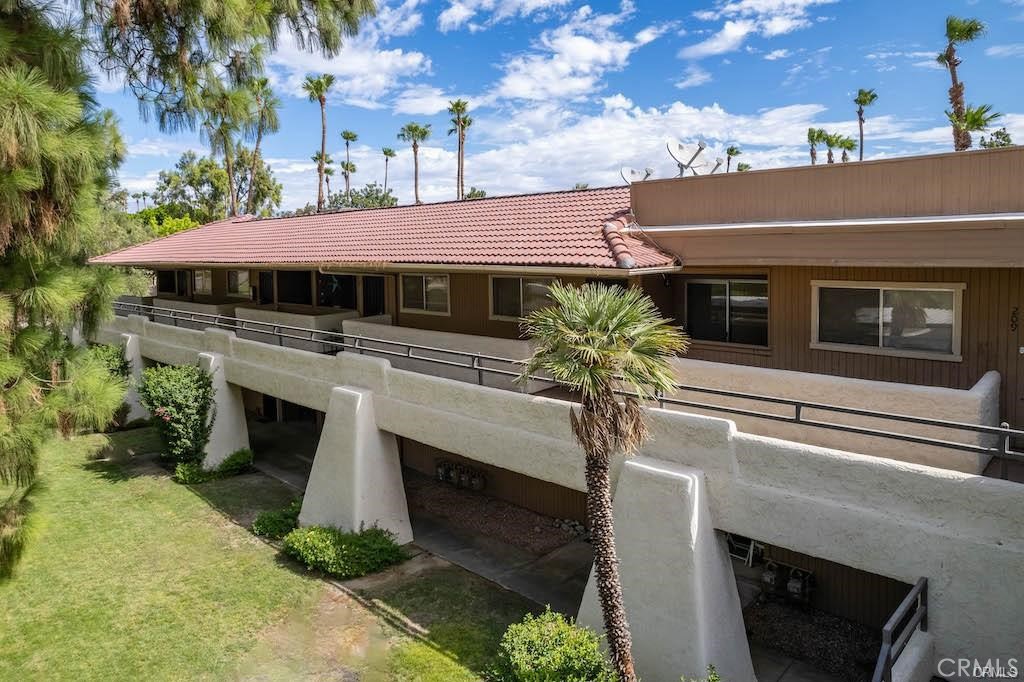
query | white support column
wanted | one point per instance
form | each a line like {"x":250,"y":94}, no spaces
{"x":230,"y":432}
{"x":677,"y":580}
{"x":133,"y":355}
{"x":357,"y":476}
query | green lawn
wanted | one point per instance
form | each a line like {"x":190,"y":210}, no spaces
{"x":129,"y":575}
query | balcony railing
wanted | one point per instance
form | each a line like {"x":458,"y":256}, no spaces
{"x":484,"y":365}
{"x":909,"y":616}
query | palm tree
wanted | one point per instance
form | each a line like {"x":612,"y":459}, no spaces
{"x":145,"y":195}
{"x":347,"y":169}
{"x":389,"y":154}
{"x":974,"y":119}
{"x":958,"y":31}
{"x":594,"y":341}
{"x":460,"y":121}
{"x":228,"y":113}
{"x":328,"y":170}
{"x":731,"y":151}
{"x":349,"y":138}
{"x":743,"y":167}
{"x":847,"y":144}
{"x":815,"y":136}
{"x":136,"y":196}
{"x":415,"y":133}
{"x":316,"y":88}
{"x":831,"y":140}
{"x":864,"y":98}
{"x":267,"y":121}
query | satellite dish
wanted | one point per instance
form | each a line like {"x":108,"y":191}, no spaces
{"x":680,"y":150}
{"x":718,"y":164}
{"x":631,"y":175}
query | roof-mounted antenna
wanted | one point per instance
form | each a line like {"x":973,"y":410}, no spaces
{"x":687,"y":165}
{"x":631,"y":175}
{"x":718,"y":164}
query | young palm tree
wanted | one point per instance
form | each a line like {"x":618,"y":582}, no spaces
{"x":389,"y":154}
{"x":349,"y":138}
{"x":415,"y":133}
{"x":267,"y":121}
{"x":594,"y":341}
{"x":831,"y":141}
{"x":347,"y":170}
{"x":136,"y":196}
{"x":815,"y":136}
{"x":847,"y":144}
{"x":731,"y":151}
{"x":864,"y":98}
{"x":974,"y":119}
{"x":316,"y":88}
{"x":328,"y":170}
{"x":228,"y":114}
{"x":743,"y":167}
{"x":958,"y":31}
{"x":460,"y":121}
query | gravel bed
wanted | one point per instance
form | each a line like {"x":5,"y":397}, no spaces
{"x":484,"y":515}
{"x":835,"y":645}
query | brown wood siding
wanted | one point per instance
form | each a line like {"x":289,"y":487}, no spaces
{"x":982,"y":181}
{"x":843,"y":591}
{"x":530,"y":493}
{"x":989,"y":340}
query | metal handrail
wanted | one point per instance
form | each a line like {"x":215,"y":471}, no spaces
{"x":343,"y":341}
{"x":898,"y":621}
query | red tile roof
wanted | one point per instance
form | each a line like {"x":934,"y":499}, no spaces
{"x":573,"y":228}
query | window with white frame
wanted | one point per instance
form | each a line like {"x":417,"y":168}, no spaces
{"x":727,"y":309}
{"x":425,"y":294}
{"x":515,"y":297}
{"x":238,"y":283}
{"x":202,"y":282}
{"x":908,"y":319}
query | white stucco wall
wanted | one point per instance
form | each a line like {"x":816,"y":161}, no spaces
{"x":380,"y":327}
{"x":226,"y":309}
{"x":270,"y":317}
{"x":980,"y":405}
{"x":898,"y":519}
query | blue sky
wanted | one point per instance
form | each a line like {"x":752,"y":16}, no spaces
{"x":564,"y":91}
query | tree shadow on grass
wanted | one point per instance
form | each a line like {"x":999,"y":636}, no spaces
{"x":123,"y":455}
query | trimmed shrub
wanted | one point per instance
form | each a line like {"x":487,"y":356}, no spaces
{"x":238,"y":462}
{"x":181,"y":401}
{"x":712,"y":676}
{"x":113,"y":358}
{"x":550,"y":648}
{"x":344,"y":555}
{"x":278,"y":523}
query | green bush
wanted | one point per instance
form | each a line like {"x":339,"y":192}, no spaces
{"x":181,"y":402}
{"x":712,"y":676}
{"x":238,"y":462}
{"x":278,"y":523}
{"x":344,"y":555}
{"x":113,"y":358}
{"x":549,"y":648}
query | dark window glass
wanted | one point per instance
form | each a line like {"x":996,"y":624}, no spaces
{"x":294,"y":286}
{"x":412,"y":292}
{"x":507,"y":301}
{"x":166,"y":282}
{"x":535,"y":294}
{"x":706,"y":310}
{"x":266,"y":287}
{"x":436,"y":293}
{"x":918,"y":320}
{"x":181,"y":277}
{"x":748,"y":313}
{"x":336,"y":291}
{"x":373,"y":296}
{"x":848,"y":316}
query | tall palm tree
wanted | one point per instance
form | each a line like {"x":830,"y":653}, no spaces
{"x":389,"y":154}
{"x":349,"y":138}
{"x":228,"y":114}
{"x":958,"y":31}
{"x":415,"y":133}
{"x":815,"y":136}
{"x":594,"y":341}
{"x":267,"y":121}
{"x":831,"y":141}
{"x":731,"y":151}
{"x":145,"y":196}
{"x":974,"y":119}
{"x":328,"y":170}
{"x":136,"y":196}
{"x":347,"y":170}
{"x":847,"y":144}
{"x":460,"y":121}
{"x":864,"y":98}
{"x":316,"y":88}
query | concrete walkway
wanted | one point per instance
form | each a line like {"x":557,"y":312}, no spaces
{"x":283,"y":450}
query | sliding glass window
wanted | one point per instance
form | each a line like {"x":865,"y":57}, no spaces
{"x":728,"y":310}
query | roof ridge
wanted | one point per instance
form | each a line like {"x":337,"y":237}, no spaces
{"x":616,"y":244}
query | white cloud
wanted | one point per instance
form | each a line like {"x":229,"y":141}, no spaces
{"x":729,"y":38}
{"x":1011,"y":50}
{"x":164,"y":146}
{"x":768,"y":18}
{"x":424,"y":100}
{"x":776,"y":54}
{"x":569,"y":61}
{"x":460,"y":12}
{"x":617,"y":101}
{"x":366,"y":71}
{"x":693,"y":76}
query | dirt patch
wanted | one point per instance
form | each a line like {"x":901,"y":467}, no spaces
{"x":484,"y":515}
{"x":838,"y":646}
